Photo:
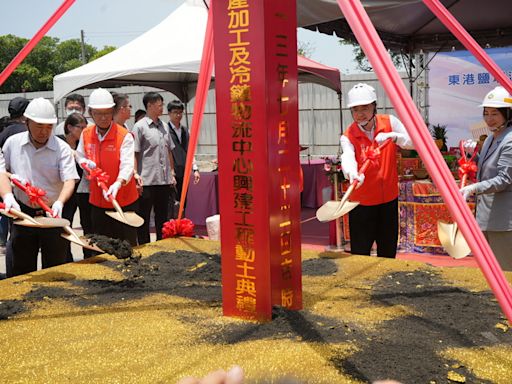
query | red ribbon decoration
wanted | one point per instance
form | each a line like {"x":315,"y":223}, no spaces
{"x":467,"y":167}
{"x":175,"y":228}
{"x":34,"y":193}
{"x":98,"y":174}
{"x":371,"y":154}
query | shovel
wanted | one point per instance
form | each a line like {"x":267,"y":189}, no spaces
{"x":70,"y":234}
{"x":334,"y":209}
{"x":449,"y":235}
{"x":28,"y":221}
{"x":129,"y":218}
{"x":451,"y":238}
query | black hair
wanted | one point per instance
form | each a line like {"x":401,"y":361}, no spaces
{"x":74,"y":119}
{"x":151,"y":97}
{"x":175,"y":104}
{"x":139,"y":114}
{"x":505,"y":112}
{"x":75,"y":97}
{"x":119,"y":99}
{"x":4,"y":122}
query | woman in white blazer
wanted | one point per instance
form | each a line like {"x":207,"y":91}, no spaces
{"x":494,"y":186}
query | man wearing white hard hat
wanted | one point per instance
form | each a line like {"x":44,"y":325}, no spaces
{"x":39,"y":158}
{"x":494,"y":186}
{"x":375,"y":219}
{"x":109,"y":146}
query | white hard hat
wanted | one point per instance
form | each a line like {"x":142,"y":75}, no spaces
{"x":361,"y":94}
{"x":101,"y":99}
{"x":497,"y":98}
{"x":41,"y":111}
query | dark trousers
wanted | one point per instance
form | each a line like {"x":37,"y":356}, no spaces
{"x":154,"y":197}
{"x":107,"y":226}
{"x":81,"y":201}
{"x":24,"y":245}
{"x":375,"y":223}
{"x":174,"y":201}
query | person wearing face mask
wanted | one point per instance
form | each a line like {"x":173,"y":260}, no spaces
{"x":73,"y":103}
{"x":375,"y":219}
{"x":494,"y":187}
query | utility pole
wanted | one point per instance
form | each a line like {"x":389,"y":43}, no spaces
{"x":82,"y":45}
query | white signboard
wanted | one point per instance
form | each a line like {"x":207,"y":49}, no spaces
{"x":458,"y":84}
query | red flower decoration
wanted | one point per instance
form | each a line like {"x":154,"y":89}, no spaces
{"x":35,"y":193}
{"x":467,"y":167}
{"x":98,"y":174}
{"x":175,"y":228}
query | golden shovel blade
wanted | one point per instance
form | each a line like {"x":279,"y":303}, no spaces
{"x":72,"y":236}
{"x":452,"y":240}
{"x":334,"y":209}
{"x":42,"y":222}
{"x":81,"y":241}
{"x":129,"y":218}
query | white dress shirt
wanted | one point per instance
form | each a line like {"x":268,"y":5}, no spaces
{"x":47,"y":167}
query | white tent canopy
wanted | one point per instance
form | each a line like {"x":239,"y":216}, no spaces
{"x":168,"y":57}
{"x":408,"y":25}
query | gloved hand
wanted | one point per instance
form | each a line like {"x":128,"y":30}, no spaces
{"x":112,"y":190}
{"x":20,"y":179}
{"x":469,"y":145}
{"x":383,"y":136}
{"x":10,"y":202}
{"x":57,"y":208}
{"x":356,"y":176}
{"x":468,"y":190}
{"x":89,"y":163}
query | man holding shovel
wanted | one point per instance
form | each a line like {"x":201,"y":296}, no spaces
{"x":375,"y":219}
{"x":38,"y":158}
{"x":110,"y":147}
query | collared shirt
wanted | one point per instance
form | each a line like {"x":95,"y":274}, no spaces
{"x":126,"y":160}
{"x":47,"y":167}
{"x":178,"y":134}
{"x":153,"y":143}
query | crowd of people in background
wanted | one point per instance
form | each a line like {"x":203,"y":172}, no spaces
{"x":141,"y":163}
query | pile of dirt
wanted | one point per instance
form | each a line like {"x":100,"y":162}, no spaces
{"x":116,"y":247}
{"x":408,"y":348}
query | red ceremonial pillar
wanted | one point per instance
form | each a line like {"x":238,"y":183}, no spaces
{"x":258,"y":148}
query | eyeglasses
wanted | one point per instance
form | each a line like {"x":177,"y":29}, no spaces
{"x":177,"y":112}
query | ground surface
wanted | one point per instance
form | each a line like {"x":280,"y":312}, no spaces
{"x":159,"y":317}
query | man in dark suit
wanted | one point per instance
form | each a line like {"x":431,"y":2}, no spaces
{"x":180,"y":137}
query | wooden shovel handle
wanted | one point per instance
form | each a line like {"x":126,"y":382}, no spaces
{"x":117,"y":207}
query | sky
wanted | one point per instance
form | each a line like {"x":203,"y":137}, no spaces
{"x":116,"y":22}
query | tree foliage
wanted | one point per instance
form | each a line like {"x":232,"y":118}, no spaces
{"x":362,"y":62}
{"x":48,"y":58}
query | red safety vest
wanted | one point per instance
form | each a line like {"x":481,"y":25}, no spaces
{"x":381,"y":180}
{"x":107,"y":156}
